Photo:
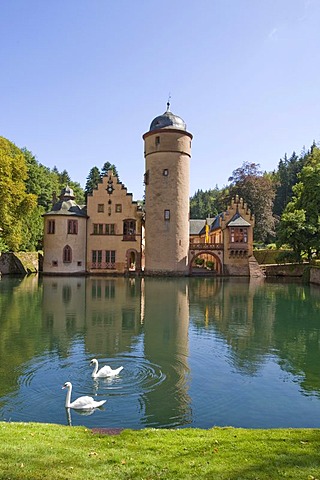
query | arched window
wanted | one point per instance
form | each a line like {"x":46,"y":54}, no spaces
{"x":67,"y":254}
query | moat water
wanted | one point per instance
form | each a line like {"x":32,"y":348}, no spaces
{"x":196,"y":352}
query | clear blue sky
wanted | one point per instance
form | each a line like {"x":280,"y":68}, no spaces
{"x":81,"y":81}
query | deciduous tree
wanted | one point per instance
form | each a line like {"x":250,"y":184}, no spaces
{"x":15,"y":202}
{"x":257,"y":190}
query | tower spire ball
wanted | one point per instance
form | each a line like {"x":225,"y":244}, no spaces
{"x":168,"y":103}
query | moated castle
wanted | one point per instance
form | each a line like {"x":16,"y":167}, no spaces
{"x":113,"y":234}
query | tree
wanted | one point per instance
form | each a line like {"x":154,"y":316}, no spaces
{"x":257,"y":190}
{"x":93,"y":179}
{"x":40,"y":180}
{"x":300,"y":222}
{"x":207,"y":204}
{"x":64,"y":178}
{"x":15,"y":202}
{"x":108,"y":166}
{"x":286,"y":178}
{"x":32,"y":230}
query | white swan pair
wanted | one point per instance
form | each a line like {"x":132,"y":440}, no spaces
{"x":85,"y":402}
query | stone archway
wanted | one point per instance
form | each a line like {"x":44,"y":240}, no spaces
{"x":205,"y":262}
{"x":133,"y":260}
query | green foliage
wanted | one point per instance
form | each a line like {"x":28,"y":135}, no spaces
{"x":26,"y":192}
{"x":199,"y":261}
{"x":93,"y":179}
{"x":15,"y":201}
{"x":32,"y":230}
{"x":78,"y":192}
{"x":258,"y":191}
{"x":300,"y":222}
{"x":286,"y":177}
{"x":3,"y":246}
{"x":109,"y":166}
{"x":207,"y":204}
{"x":288,"y":256}
{"x":40,"y":180}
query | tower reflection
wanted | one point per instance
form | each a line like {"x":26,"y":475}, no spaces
{"x":166,"y":344}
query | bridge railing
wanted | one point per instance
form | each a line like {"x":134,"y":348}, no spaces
{"x":206,"y":246}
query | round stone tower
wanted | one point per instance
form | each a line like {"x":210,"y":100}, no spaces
{"x":167,"y":150}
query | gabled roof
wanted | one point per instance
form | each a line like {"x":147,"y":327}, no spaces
{"x":196,"y":227}
{"x":238,"y":221}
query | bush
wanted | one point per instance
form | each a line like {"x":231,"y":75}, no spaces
{"x":199,"y":261}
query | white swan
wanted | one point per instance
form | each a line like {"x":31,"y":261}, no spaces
{"x":105,"y":371}
{"x":81,"y":403}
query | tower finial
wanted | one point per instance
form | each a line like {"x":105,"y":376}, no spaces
{"x":168,"y":102}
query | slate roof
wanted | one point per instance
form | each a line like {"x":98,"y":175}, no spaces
{"x":238,"y":221}
{"x":196,"y":227}
{"x":66,"y":205}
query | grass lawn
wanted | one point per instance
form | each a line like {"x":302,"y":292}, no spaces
{"x":42,"y":451}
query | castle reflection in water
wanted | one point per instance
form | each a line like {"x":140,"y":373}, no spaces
{"x":186,"y":327}
{"x":114,"y":313}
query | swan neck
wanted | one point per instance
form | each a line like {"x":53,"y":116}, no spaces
{"x":68,"y":397}
{"x":95,"y":369}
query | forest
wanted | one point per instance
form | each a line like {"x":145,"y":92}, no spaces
{"x":285,"y":202}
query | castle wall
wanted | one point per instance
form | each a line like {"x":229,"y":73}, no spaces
{"x":107,"y":213}
{"x":53,"y":245}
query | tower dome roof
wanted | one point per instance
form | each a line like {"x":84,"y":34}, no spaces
{"x":168,"y":120}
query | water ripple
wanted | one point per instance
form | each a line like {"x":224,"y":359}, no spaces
{"x":138,"y":376}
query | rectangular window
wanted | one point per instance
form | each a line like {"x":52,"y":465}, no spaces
{"x":157,"y":140}
{"x":146,"y":178}
{"x":98,"y":229}
{"x":73,"y":227}
{"x":129,"y":230}
{"x":167,"y":214}
{"x":100,"y":207}
{"x":96,"y":256}
{"x":165,"y":172}
{"x":239,"y":235}
{"x":110,"y":256}
{"x":51,"y":226}
{"x":109,"y":228}
{"x":118,"y":208}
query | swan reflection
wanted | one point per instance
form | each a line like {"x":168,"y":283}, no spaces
{"x":85,"y":413}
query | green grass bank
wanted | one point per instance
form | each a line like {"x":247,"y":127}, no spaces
{"x":46,"y":451}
